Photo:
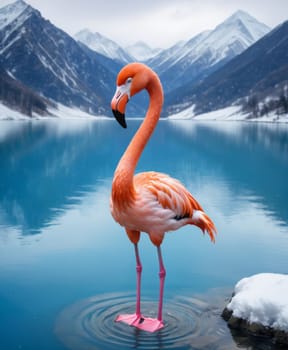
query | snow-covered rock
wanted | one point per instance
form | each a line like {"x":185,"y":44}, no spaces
{"x":259,"y":305}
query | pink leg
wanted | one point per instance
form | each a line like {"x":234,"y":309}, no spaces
{"x":138,"y":286}
{"x":162,"y":274}
{"x":137,"y":320}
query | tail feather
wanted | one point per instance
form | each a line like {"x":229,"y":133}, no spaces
{"x":202,"y":220}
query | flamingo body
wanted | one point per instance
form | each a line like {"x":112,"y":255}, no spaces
{"x":160,"y":204}
{"x":148,"y":202}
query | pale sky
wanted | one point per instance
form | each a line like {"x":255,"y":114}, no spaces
{"x":159,"y":23}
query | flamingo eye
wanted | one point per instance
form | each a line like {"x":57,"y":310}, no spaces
{"x":129,"y":80}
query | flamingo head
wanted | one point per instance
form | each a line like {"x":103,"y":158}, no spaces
{"x":131,"y":79}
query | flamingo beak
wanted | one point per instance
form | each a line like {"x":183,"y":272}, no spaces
{"x":118,"y":104}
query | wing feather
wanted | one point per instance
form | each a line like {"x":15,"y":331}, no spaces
{"x":169,"y":192}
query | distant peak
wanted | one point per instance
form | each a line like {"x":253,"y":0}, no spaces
{"x":84,"y":30}
{"x":86,"y":33}
{"x":139,"y":43}
{"x":248,"y":23}
{"x":240,"y":15}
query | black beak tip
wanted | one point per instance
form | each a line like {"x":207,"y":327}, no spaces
{"x":120,"y":117}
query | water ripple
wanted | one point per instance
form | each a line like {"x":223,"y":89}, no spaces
{"x":190,"y":323}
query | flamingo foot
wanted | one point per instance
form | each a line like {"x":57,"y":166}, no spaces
{"x":144,"y":323}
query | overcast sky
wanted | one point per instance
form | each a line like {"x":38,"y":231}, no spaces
{"x":159,"y":23}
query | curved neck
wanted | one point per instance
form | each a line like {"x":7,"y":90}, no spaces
{"x":126,"y":167}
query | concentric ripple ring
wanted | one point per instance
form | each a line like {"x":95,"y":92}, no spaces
{"x":190,"y":323}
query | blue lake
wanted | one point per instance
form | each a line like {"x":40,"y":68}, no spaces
{"x":67,"y":269}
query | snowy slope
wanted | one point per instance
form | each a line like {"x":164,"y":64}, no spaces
{"x":10,"y":10}
{"x":103,"y":45}
{"x":60,"y":111}
{"x":232,"y":113}
{"x":169,"y":57}
{"x":7,"y":113}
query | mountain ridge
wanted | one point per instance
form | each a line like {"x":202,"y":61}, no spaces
{"x":52,"y":63}
{"x":64,"y":70}
{"x":246,"y":75}
{"x":208,"y":51}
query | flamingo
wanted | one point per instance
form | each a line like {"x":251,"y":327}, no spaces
{"x":149,"y":202}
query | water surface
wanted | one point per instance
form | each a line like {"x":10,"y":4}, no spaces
{"x":66,"y":269}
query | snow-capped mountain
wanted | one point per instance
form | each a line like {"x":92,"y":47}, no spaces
{"x":41,"y":64}
{"x":50,"y":62}
{"x":103,"y":45}
{"x":141,"y":51}
{"x":231,"y":37}
{"x":256,"y":79}
{"x":208,"y":51}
